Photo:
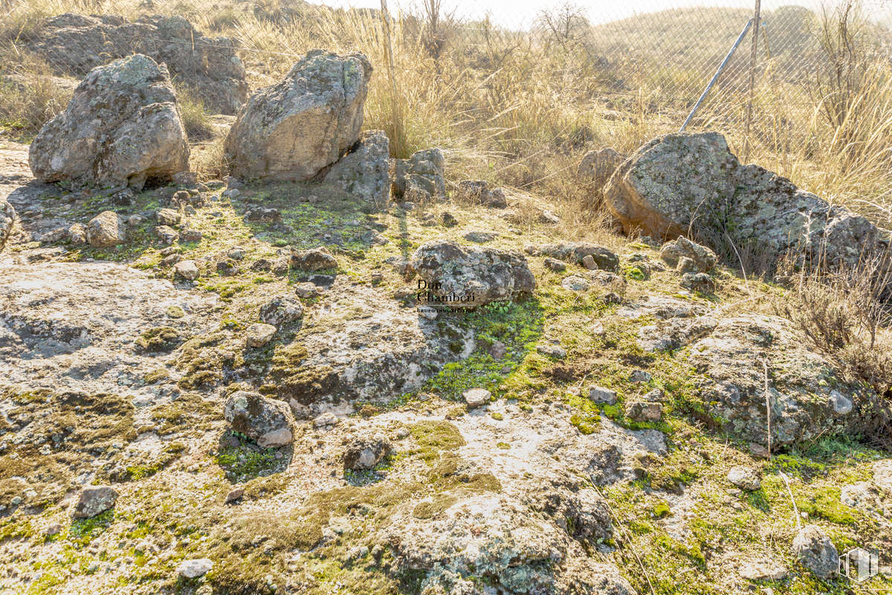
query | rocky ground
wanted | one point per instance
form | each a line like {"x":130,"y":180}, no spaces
{"x":342,"y":373}
{"x":598,"y":463}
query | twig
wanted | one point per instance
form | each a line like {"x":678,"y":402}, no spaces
{"x":768,"y":419}
{"x":767,"y":405}
{"x":624,"y":536}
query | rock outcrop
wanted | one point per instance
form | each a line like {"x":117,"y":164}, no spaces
{"x":121,"y":127}
{"x":682,"y":184}
{"x":293,"y":129}
{"x":364,"y":172}
{"x":420,"y":177}
{"x":75,"y":44}
{"x":7,"y":219}
{"x":816,"y":552}
{"x":799,"y":381}
{"x":461,"y":276}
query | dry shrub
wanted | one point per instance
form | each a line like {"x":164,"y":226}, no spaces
{"x":29,"y":95}
{"x":194,"y":115}
{"x":846,"y":314}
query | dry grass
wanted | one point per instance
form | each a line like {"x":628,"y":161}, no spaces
{"x":520,"y":108}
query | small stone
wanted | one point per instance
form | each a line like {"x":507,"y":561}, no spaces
{"x":94,"y":500}
{"x":555,"y":351}
{"x":259,"y":334}
{"x":698,"y":282}
{"x":842,"y":405}
{"x":227,"y":267}
{"x":480,"y":237}
{"x":402,"y":433}
{"x":190,"y":569}
{"x":816,"y":552}
{"x":53,"y":529}
{"x":744,"y":478}
{"x":599,"y":394}
{"x":554,"y":264}
{"x":168,"y":217}
{"x":575,"y":283}
{"x":187,"y":269}
{"x":476,"y":397}
{"x":428,"y":312}
{"x":655,"y":396}
{"x":191,"y":235}
{"x":313,"y":260}
{"x":166,"y":234}
{"x":77,"y":234}
{"x":364,"y":453}
{"x":640,"y":376}
{"x":169,"y":261}
{"x":644,"y":411}
{"x":306,"y":290}
{"x":588,"y":261}
{"x":763,"y":571}
{"x":106,"y":230}
{"x":449,"y":220}
{"x":235,"y":494}
{"x":281,"y":310}
{"x":235,"y":253}
{"x":326,"y":419}
{"x":548,"y":217}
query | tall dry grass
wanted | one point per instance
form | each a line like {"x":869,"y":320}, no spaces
{"x":519,"y":108}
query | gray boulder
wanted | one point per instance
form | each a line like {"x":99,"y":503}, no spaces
{"x":265,"y":420}
{"x":7,"y":218}
{"x":121,"y":127}
{"x":365,"y":171}
{"x":816,"y":552}
{"x":464,"y":276}
{"x":420,"y":177}
{"x":293,"y":129}
{"x":94,"y":500}
{"x":691,"y":183}
{"x":106,"y":229}
{"x":75,"y":44}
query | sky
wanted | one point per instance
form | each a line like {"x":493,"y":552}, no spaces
{"x":519,"y":13}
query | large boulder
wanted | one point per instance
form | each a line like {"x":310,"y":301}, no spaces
{"x":461,"y":276}
{"x":365,"y":171}
{"x":691,"y":183}
{"x":265,"y":420}
{"x":420,"y":177}
{"x":122,"y":126}
{"x":293,"y":129}
{"x":210,"y":67}
{"x":7,"y":218}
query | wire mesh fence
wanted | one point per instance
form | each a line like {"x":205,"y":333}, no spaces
{"x":667,"y":56}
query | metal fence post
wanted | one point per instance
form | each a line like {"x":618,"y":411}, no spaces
{"x":752,"y":90}
{"x":715,"y":77}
